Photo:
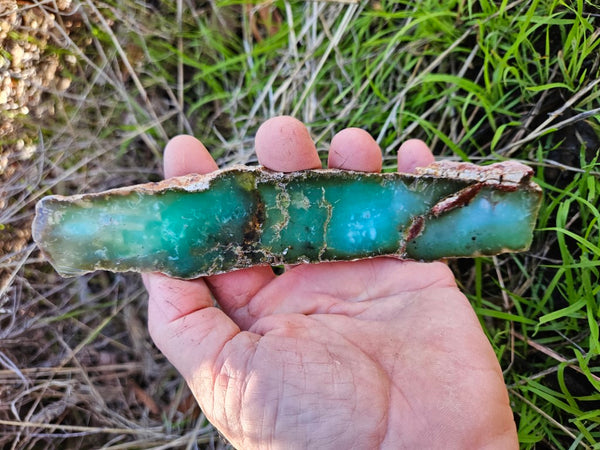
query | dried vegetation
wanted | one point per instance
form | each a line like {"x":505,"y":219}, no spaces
{"x":92,"y":91}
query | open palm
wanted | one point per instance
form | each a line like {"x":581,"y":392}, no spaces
{"x":377,"y":353}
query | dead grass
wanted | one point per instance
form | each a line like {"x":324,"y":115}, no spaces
{"x":77,"y":368}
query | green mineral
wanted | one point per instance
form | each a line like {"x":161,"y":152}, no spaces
{"x":244,"y":216}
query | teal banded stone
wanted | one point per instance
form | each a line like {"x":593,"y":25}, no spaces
{"x":244,"y":216}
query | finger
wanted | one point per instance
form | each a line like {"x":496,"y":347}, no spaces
{"x":354,"y":149}
{"x":330,"y":283}
{"x":412,"y":154}
{"x":284,"y":144}
{"x":234,"y":290}
{"x":181,"y":313}
{"x":183,"y":154}
{"x":183,"y":323}
{"x":186,"y":154}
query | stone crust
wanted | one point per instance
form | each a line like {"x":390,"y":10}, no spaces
{"x":507,"y":176}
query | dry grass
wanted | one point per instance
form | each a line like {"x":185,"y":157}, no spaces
{"x":77,"y":367}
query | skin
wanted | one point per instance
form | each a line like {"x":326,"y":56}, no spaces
{"x":378,"y":353}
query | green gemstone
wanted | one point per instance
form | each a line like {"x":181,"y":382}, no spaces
{"x":240,"y":217}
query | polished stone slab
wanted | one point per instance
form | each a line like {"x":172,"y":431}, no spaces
{"x":243,"y":216}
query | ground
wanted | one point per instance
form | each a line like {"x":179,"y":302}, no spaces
{"x":91,"y":91}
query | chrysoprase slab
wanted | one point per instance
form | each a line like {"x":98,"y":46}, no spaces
{"x":235,"y":218}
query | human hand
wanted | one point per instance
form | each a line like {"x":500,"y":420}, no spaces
{"x":377,"y":353}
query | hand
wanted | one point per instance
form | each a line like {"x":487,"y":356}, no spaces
{"x":377,"y":353}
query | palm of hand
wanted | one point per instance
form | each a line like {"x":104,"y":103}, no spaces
{"x":362,"y":355}
{"x":377,"y":353}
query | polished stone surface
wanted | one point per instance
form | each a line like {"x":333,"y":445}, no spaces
{"x":243,"y":216}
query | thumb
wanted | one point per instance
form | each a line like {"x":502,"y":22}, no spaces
{"x":185,"y":326}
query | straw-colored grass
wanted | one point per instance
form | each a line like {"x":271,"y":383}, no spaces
{"x":478,"y":80}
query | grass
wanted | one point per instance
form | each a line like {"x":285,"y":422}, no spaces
{"x":479,"y":80}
